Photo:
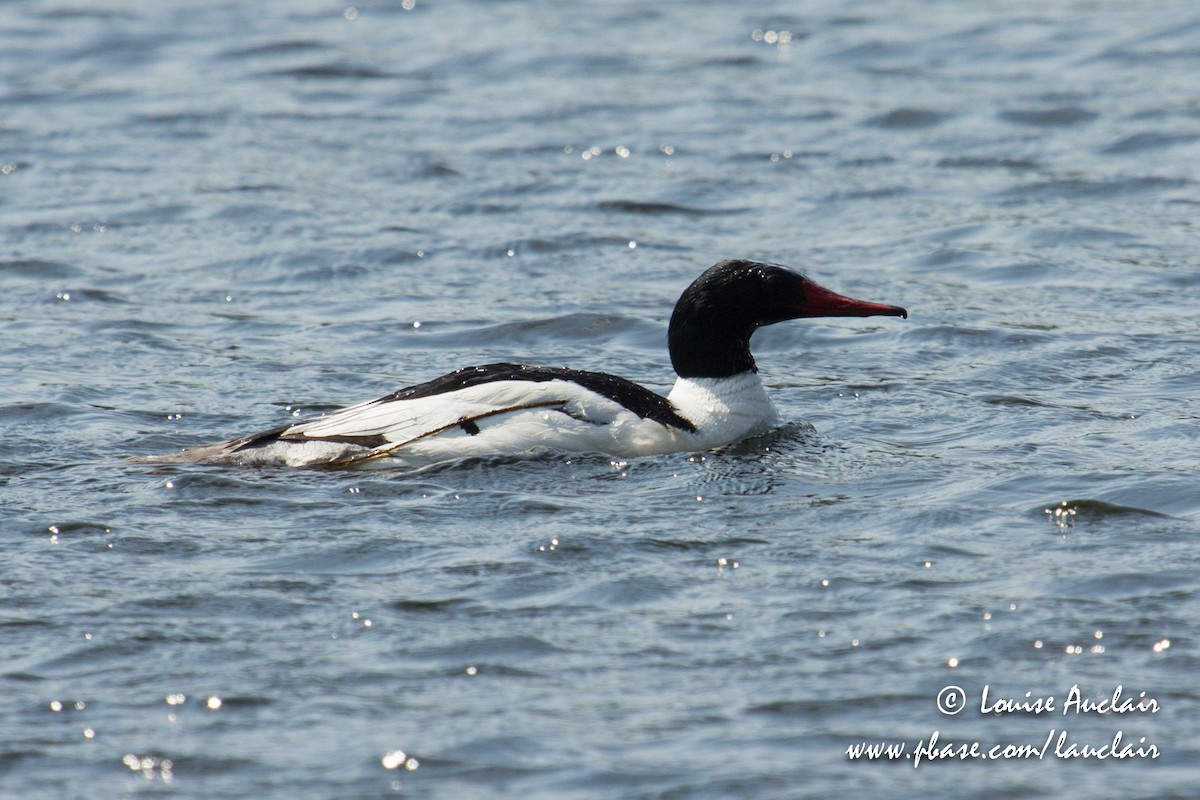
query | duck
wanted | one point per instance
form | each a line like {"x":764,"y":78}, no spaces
{"x":510,"y":409}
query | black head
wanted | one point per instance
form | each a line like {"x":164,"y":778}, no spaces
{"x":709,"y":335}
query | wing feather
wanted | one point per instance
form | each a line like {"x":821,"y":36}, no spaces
{"x":390,"y":422}
{"x":384,"y":450}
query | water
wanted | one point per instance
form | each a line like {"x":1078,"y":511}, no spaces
{"x":216,"y":217}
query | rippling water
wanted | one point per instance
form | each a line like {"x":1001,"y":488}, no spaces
{"x":219,"y":216}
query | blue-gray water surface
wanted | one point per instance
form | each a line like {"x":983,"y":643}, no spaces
{"x":217,"y":217}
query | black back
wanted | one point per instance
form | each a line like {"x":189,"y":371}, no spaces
{"x":638,"y":399}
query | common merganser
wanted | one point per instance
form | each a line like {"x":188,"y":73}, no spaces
{"x":504,"y":409}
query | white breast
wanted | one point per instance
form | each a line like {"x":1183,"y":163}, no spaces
{"x":724,"y":410}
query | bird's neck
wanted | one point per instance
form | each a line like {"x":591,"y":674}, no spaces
{"x":724,"y":409}
{"x":709,"y":348}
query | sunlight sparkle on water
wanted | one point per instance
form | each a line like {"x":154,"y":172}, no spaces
{"x":150,"y":767}
{"x":782,"y":38}
{"x":1062,"y":515}
{"x":395,"y":759}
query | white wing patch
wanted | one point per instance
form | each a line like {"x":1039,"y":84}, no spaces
{"x":390,"y":425}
